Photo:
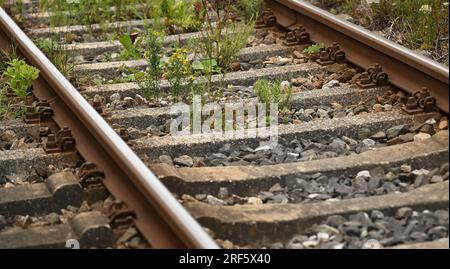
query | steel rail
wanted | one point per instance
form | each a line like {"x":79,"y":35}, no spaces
{"x":161,"y":219}
{"x":407,"y":70}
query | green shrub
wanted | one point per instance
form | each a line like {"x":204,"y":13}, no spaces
{"x":271,"y":92}
{"x":20,"y":76}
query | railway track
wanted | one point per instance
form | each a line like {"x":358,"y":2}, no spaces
{"x":361,"y":159}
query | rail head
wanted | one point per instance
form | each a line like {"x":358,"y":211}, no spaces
{"x":170,"y":212}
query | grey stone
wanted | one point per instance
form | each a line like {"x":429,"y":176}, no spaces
{"x":389,"y":176}
{"x":115,"y":97}
{"x":291,"y":157}
{"x":72,"y":209}
{"x":9,"y":136}
{"x":276,"y":245}
{"x":2,"y":222}
{"x":421,"y":137}
{"x":444,"y":168}
{"x":368,"y":143}
{"x":280,"y":198}
{"x":427,"y":128}
{"x":379,"y":135}
{"x":360,"y":184}
{"x":436,"y":179}
{"x":419,"y":181}
{"x":406,"y":168}
{"x":351,"y":228}
{"x":276,"y":188}
{"x":214,"y":201}
{"x":225,"y":149}
{"x":349,"y":141}
{"x":265,"y":196}
{"x":442,"y":215}
{"x":395,"y":131}
{"x":263,"y":148}
{"x":200,"y":197}
{"x":250,"y":157}
{"x":335,"y":221}
{"x":218,"y":156}
{"x":309,"y":154}
{"x":338,"y":144}
{"x":404,"y":212}
{"x":363,"y":133}
{"x":419,"y":236}
{"x":52,"y":218}
{"x":363,"y":174}
{"x":223,"y":193}
{"x":374,"y":183}
{"x":331,"y":84}
{"x":362,"y":218}
{"x":406,"y":137}
{"x":309,"y":111}
{"x":343,"y":190}
{"x":376,"y":215}
{"x":184,"y":161}
{"x":438,"y":232}
{"x":166,"y":159}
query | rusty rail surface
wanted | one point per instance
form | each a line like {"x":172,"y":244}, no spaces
{"x":161,"y":219}
{"x":407,"y":70}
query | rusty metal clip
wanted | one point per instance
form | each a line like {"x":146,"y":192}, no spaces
{"x":120,"y":215}
{"x":302,"y":35}
{"x":40,"y":112}
{"x":89,"y":174}
{"x":331,"y":55}
{"x":374,"y":76}
{"x":290,"y":39}
{"x":61,"y":142}
{"x":324,"y":58}
{"x":336,"y":54}
{"x":267,"y":19}
{"x":420,"y":101}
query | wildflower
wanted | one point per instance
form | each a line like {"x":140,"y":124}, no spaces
{"x":426,"y":9}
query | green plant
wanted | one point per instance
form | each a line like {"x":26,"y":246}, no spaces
{"x":149,"y":82}
{"x":179,"y":14}
{"x":58,"y":53}
{"x":20,"y":76}
{"x":315,"y":48}
{"x":271,"y":92}
{"x":177,"y":69}
{"x":416,"y":24}
{"x":222,"y":36}
{"x":130,"y":48}
{"x":15,"y":76}
{"x":206,"y":66}
{"x":248,"y":8}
